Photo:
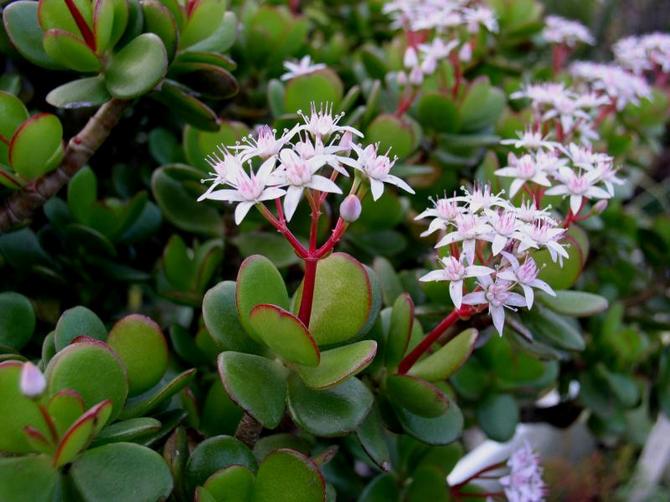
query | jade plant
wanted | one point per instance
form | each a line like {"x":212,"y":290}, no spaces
{"x":307,"y":251}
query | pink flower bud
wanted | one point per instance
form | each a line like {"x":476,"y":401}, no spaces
{"x":600,"y":206}
{"x":350,"y":209}
{"x":33,"y":382}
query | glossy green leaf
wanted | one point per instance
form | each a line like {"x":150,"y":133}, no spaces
{"x":65,"y":407}
{"x":16,"y":411}
{"x":438,"y":112}
{"x":267,"y":444}
{"x":288,"y":476}
{"x":85,"y":92}
{"x":179,"y":100}
{"x":219,"y":311}
{"x":203,"y":20}
{"x":103,"y":23}
{"x":437,"y":430}
{"x":121,"y":18}
{"x":331,"y":412}
{"x":159,"y":20}
{"x":258,"y":281}
{"x":427,"y":484}
{"x":271,"y":245}
{"x":400,"y":329}
{"x":481,"y":106}
{"x":574,"y":303}
{"x":140,"y":344}
{"x":548,"y":326}
{"x":208,"y":81}
{"x":150,"y":400}
{"x":342,"y":285}
{"x":383,"y":488}
{"x":257,"y":384}
{"x":232,"y":484}
{"x":30,"y":478}
{"x":338,"y":364}
{"x":132,"y":430}
{"x":80,"y":434}
{"x":557,"y":276}
{"x":285,"y":334}
{"x":214,"y":454}
{"x":36,"y":146}
{"x":120,"y":472}
{"x":23,"y":29}
{"x":441,"y":364}
{"x":92,"y":369}
{"x":137,"y":68}
{"x":221,"y":39}
{"x":319,"y":87}
{"x":176,"y":188}
{"x":70,"y":51}
{"x":372,"y":436}
{"x":498,"y":415}
{"x":17,"y":322}
{"x":56,"y":14}
{"x":394,"y":133}
{"x":12,"y":113}
{"x":416,"y":395}
{"x":76,"y":322}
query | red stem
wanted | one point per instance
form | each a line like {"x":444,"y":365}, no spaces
{"x":411,"y":358}
{"x":84,"y":28}
{"x":311,"y":262}
{"x":50,"y":424}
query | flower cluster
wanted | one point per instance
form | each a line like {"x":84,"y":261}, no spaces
{"x":437,"y":30}
{"x":559,"y":30}
{"x":524,"y":482}
{"x":618,"y":85}
{"x":267,"y":167}
{"x":491,"y":240}
{"x":646,"y":53}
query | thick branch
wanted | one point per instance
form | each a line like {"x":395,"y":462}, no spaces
{"x":249,"y":430}
{"x":19,"y":206}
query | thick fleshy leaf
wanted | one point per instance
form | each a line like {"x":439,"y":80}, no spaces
{"x":498,"y":415}
{"x":132,"y":430}
{"x":289,"y":476}
{"x":400,"y":329}
{"x":76,"y":322}
{"x":437,"y":111}
{"x":198,"y":144}
{"x":203,"y":21}
{"x":441,"y":364}
{"x":214,"y":454}
{"x":70,"y":51}
{"x":565,"y":276}
{"x":30,"y":478}
{"x":257,"y":384}
{"x":65,"y":407}
{"x":137,"y":68}
{"x":209,"y":81}
{"x":232,"y":484}
{"x":140,"y":344}
{"x":150,"y":400}
{"x":159,"y":20}
{"x":179,"y":100}
{"x":427,"y":484}
{"x":56,"y":14}
{"x":17,"y":322}
{"x":16,"y":411}
{"x":267,"y":444}
{"x":103,"y":23}
{"x":222,"y":39}
{"x":372,"y":436}
{"x":80,"y":434}
{"x":436,"y":431}
{"x":80,"y":93}
{"x":285,"y":334}
{"x":394,"y":133}
{"x":338,"y":364}
{"x":176,"y":188}
{"x":219,"y":311}
{"x":331,"y":412}
{"x":342,"y":285}
{"x":93,"y":370}
{"x":323,"y":86}
{"x":416,"y":395}
{"x":12,"y":113}
{"x":258,"y":281}
{"x":21,"y":23}
{"x":481,"y":107}
{"x":120,"y":472}
{"x":383,"y":488}
{"x":548,"y":326}
{"x":574,"y":303}
{"x":36,"y":146}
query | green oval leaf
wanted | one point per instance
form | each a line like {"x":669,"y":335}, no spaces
{"x":498,"y":415}
{"x":440,"y":430}
{"x":137,"y":68}
{"x":23,"y":29}
{"x":574,"y":303}
{"x":338,"y":364}
{"x":80,"y":93}
{"x":70,"y":51}
{"x":132,"y":430}
{"x":400,"y":329}
{"x":37,"y":146}
{"x":394,"y":133}
{"x":79,"y":435}
{"x":64,"y":408}
{"x":30,"y":478}
{"x":17,"y":322}
{"x":320,"y":87}
{"x":289,"y":476}
{"x":441,"y":364}
{"x":232,"y":484}
{"x":144,"y":403}
{"x":75,"y":322}
{"x":12,"y":113}
{"x":416,"y":395}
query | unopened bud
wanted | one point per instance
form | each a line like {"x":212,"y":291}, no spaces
{"x":350,"y":209}
{"x":600,"y":206}
{"x":411,"y":59}
{"x":33,"y":382}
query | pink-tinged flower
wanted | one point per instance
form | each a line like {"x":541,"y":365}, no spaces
{"x":528,"y":213}
{"x":456,"y":272}
{"x":497,"y":295}
{"x":530,"y":140}
{"x":505,"y":228}
{"x":524,"y":482}
{"x":469,"y":228}
{"x":300,"y":67}
{"x":350,"y":208}
{"x":264,"y":145}
{"x":435,"y":52}
{"x":578,"y":186}
{"x":297,"y":174}
{"x":481,"y":198}
{"x":559,"y":30}
{"x":322,"y":123}
{"x":377,"y":169}
{"x":247,"y":189}
{"x":480,"y":16}
{"x":525,"y":275}
{"x":33,"y":382}
{"x":328,"y":155}
{"x":524,"y":170}
{"x":544,"y":233}
{"x":443,"y":213}
{"x":411,"y":58}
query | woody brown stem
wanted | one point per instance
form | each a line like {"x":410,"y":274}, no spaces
{"x":249,"y":430}
{"x":18,"y":207}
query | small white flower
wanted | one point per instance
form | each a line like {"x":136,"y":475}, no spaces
{"x":498,"y":296}
{"x":435,"y":52}
{"x":33,"y":382}
{"x":322,"y":123}
{"x":530,"y":140}
{"x":559,"y":30}
{"x":526,"y":276}
{"x":377,"y":169}
{"x":524,"y":482}
{"x":524,"y":170}
{"x":480,"y":16}
{"x":469,"y":228}
{"x":505,"y":228}
{"x":456,"y":272}
{"x":300,"y":67}
{"x":444,"y":213}
{"x":265,"y":145}
{"x":544,"y":233}
{"x":578,"y":186}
